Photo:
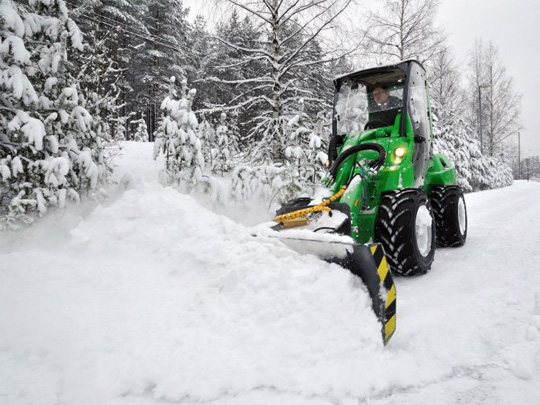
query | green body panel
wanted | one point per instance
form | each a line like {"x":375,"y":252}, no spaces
{"x":440,"y":172}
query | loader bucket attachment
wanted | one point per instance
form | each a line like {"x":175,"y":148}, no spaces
{"x":369,"y":263}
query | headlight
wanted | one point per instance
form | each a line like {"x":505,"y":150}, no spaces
{"x":400,"y":152}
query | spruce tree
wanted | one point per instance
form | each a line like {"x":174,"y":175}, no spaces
{"x":177,"y":139}
{"x":225,"y":147}
{"x":50,"y":148}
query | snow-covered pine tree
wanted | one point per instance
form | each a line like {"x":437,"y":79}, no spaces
{"x":97,"y":76}
{"x":224,"y":148}
{"x":306,"y":152}
{"x":49,"y":149}
{"x":456,"y":139}
{"x":257,"y":183}
{"x":178,"y":141}
{"x":207,"y":134}
{"x":106,"y":61}
{"x":219,"y":74}
{"x":141,"y":131}
{"x":17,"y":145}
{"x":159,"y":55}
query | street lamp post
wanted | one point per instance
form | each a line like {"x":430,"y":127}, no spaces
{"x":480,"y":87}
{"x":519,"y":155}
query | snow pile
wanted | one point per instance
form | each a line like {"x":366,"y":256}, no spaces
{"x":154,"y":293}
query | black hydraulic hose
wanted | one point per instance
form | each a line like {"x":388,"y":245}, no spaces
{"x":332,"y":148}
{"x":355,"y":149}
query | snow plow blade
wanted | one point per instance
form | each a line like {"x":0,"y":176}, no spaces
{"x":367,"y":262}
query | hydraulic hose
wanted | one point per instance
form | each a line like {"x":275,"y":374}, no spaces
{"x":332,"y":148}
{"x":305,"y":211}
{"x":355,"y":149}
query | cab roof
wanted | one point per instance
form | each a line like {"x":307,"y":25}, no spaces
{"x":371,"y":75}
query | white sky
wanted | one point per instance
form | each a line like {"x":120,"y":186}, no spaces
{"x":514,"y":27}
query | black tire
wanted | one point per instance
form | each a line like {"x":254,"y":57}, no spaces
{"x":395,"y":229}
{"x":446,"y":211}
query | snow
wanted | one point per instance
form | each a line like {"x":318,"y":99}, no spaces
{"x":16,"y":80}
{"x":11,"y":18}
{"x":14,"y":46}
{"x":151,"y":297}
{"x":32,"y":128}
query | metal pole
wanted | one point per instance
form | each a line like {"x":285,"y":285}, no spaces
{"x":480,"y":118}
{"x":519,"y":155}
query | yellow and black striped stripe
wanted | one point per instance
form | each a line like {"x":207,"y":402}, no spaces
{"x":385,"y":276}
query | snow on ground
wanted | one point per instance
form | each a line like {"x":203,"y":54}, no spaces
{"x":152,"y":297}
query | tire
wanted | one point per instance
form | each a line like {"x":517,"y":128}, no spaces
{"x":450,"y":213}
{"x":409,"y":249}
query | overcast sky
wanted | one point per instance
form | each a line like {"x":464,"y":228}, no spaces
{"x":514,"y":27}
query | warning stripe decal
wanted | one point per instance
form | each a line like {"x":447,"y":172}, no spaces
{"x":390,"y":310}
{"x":390,"y":328}
{"x":383,"y":270}
{"x":390,"y":297}
{"x":385,"y":276}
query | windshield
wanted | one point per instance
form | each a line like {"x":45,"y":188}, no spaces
{"x":351,"y":107}
{"x":369,"y":102}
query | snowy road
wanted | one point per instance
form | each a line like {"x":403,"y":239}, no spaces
{"x":154,"y":299}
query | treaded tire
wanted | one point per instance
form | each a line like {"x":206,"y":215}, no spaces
{"x":445,"y":202}
{"x":395,"y":229}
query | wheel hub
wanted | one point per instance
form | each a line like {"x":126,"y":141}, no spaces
{"x":462,"y":216}
{"x":424,"y":229}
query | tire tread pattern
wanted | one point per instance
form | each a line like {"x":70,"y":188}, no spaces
{"x":444,"y":200}
{"x":395,"y":230}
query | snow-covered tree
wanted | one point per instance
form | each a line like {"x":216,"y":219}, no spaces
{"x":219,"y":80}
{"x":263,"y":182}
{"x":224,"y":148}
{"x":492,"y":91}
{"x":446,"y":92}
{"x":207,"y":134}
{"x":306,"y":151}
{"x":530,"y":168}
{"x":454,"y":135}
{"x":141,"y":131}
{"x":50,"y":150}
{"x":158,"y":55}
{"x":404,"y":29}
{"x":292,"y":56}
{"x":177,"y":139}
{"x":456,"y":139}
{"x":111,"y":27}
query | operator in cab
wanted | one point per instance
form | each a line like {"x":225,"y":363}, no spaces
{"x":383,"y":99}
{"x":384,"y":107}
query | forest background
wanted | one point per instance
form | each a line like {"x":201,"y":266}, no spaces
{"x":247,"y":98}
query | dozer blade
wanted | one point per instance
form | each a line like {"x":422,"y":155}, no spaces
{"x":367,"y":262}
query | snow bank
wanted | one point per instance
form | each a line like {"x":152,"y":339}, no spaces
{"x":156,"y":294}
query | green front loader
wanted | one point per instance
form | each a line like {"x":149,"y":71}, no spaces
{"x":389,"y":200}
